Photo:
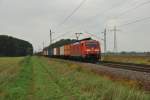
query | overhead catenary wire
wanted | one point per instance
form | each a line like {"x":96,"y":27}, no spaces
{"x":72,"y":13}
{"x":136,"y":21}
{"x":69,"y":16}
{"x":109,"y":9}
{"x":135,"y":7}
{"x":102,"y":13}
{"x":60,"y":36}
{"x":75,"y":10}
{"x":115,"y":6}
{"x":141,"y":4}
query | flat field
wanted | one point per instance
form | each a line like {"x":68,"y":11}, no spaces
{"x":39,"y":78}
{"x":128,"y":59}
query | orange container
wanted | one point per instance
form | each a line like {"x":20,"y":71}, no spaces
{"x":67,"y":49}
{"x":75,"y":49}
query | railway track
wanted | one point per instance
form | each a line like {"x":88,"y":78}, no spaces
{"x":133,"y":67}
{"x":127,"y":66}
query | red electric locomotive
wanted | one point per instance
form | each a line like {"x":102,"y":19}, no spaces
{"x":86,"y":50}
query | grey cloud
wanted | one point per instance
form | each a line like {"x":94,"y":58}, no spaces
{"x":32,"y":19}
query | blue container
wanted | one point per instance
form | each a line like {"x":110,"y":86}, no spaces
{"x":50,"y":52}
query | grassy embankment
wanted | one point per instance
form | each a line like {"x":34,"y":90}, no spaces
{"x":128,"y":59}
{"x":43,"y":79}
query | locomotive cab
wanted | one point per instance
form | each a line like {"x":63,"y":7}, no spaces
{"x":91,"y":50}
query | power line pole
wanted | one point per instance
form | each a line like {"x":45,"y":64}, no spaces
{"x":105,"y":41}
{"x":115,"y":38}
{"x":50,"y":37}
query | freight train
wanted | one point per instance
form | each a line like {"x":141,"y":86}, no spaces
{"x":85,"y":49}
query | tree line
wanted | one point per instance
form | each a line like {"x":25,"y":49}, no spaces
{"x":62,"y":42}
{"x":10,"y":46}
{"x":65,"y":42}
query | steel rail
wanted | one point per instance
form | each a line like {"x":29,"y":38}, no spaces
{"x":133,"y":67}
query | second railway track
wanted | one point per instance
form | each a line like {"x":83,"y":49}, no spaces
{"x":127,"y":66}
{"x":133,"y":67}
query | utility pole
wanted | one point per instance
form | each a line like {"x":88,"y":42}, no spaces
{"x":50,"y":37}
{"x":105,"y":41}
{"x":115,"y":38}
{"x":77,"y":35}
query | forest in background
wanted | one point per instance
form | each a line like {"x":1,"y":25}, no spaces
{"x":10,"y":46}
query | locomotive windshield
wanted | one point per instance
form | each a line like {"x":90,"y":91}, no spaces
{"x":91,"y":45}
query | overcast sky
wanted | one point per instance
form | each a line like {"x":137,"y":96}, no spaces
{"x":31,"y":20}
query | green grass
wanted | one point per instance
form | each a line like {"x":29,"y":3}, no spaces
{"x":40,"y":78}
{"x":93,"y":87}
{"x":128,"y":59}
{"x":19,"y":86}
{"x":9,"y":69}
{"x":7,"y":62}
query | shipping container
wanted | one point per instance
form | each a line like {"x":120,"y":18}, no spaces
{"x":50,"y":52}
{"x":45,"y":52}
{"x":54,"y":52}
{"x":67,"y":50}
{"x":58,"y":51}
{"x":62,"y":51}
{"x":75,"y":49}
